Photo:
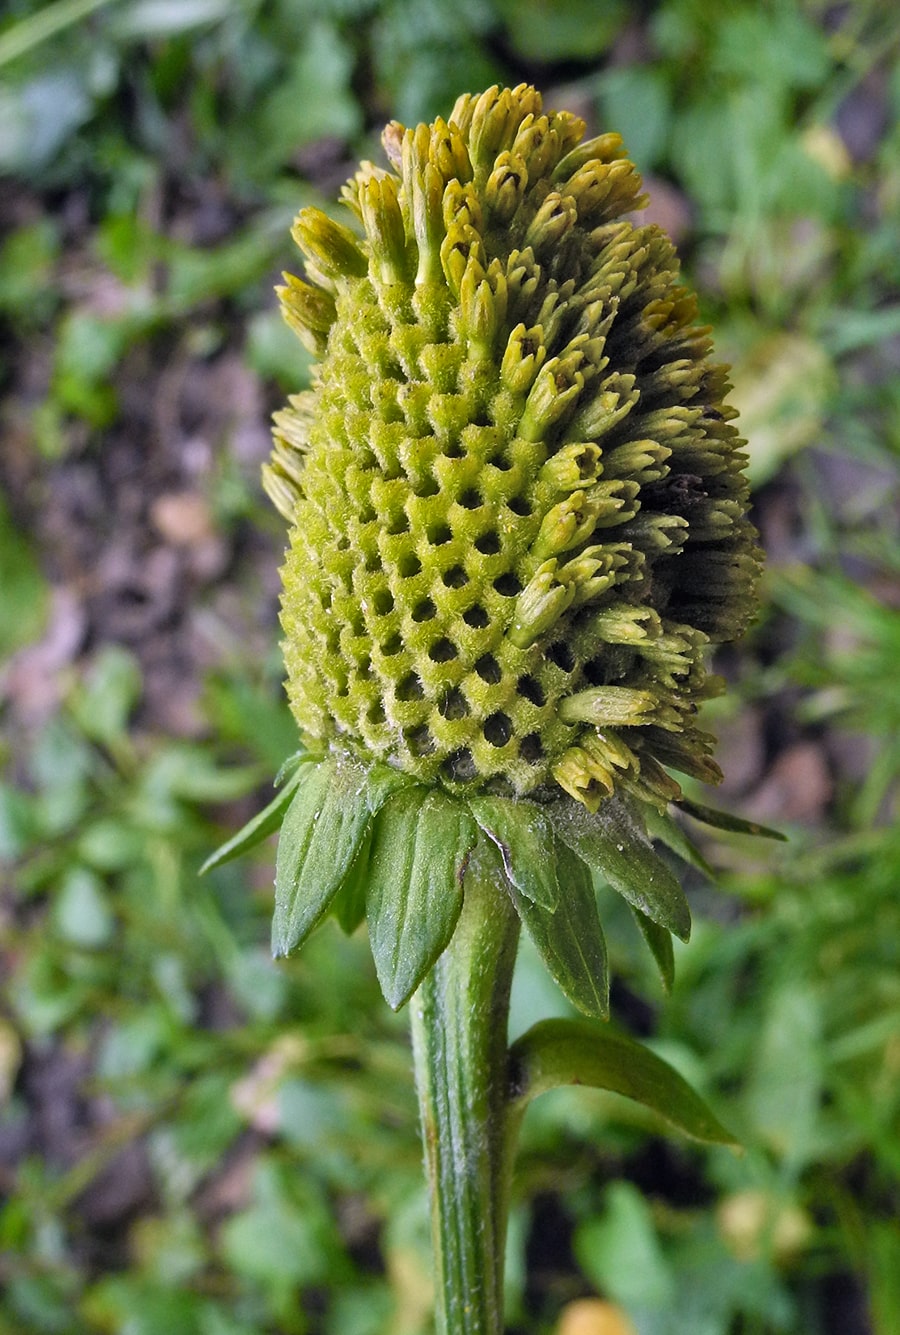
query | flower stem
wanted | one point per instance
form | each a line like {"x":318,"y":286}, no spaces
{"x":459,"y":1029}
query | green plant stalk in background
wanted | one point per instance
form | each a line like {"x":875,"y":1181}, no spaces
{"x":518,"y":520}
{"x":37,"y":28}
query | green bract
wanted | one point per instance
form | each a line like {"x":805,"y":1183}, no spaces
{"x":518,"y":519}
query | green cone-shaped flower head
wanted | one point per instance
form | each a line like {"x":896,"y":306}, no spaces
{"x":518,"y":516}
{"x":518,"y":520}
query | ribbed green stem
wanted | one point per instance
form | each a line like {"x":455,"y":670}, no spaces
{"x":459,"y":1028}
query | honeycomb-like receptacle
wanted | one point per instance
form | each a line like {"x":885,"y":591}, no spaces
{"x":517,"y":510}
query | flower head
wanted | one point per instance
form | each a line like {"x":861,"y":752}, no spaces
{"x":518,"y":520}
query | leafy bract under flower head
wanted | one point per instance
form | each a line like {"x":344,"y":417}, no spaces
{"x":516,"y":499}
{"x":518,"y":519}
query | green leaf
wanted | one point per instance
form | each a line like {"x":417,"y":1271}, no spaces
{"x":349,"y":906}
{"x":89,"y":346}
{"x":420,"y":848}
{"x":285,"y":1236}
{"x":662,"y":827}
{"x":186,"y":773}
{"x":614,"y":845}
{"x":576,"y":30}
{"x":382,"y":782}
{"x":524,"y":835}
{"x":576,"y":1052}
{"x":315,"y":100}
{"x":195,"y":276}
{"x":81,"y":912}
{"x":27,"y":257}
{"x":621,"y":1254}
{"x":263,"y":824}
{"x":288,"y":768}
{"x":24,"y":605}
{"x":107,"y":695}
{"x":848,"y":329}
{"x":153,"y":20}
{"x":322,"y":833}
{"x":639,"y":97}
{"x":272,"y":351}
{"x":784,"y":1085}
{"x":570,"y":939}
{"x":724,"y":820}
{"x":659,"y":939}
{"x":883,"y":1250}
{"x":37,"y":28}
